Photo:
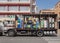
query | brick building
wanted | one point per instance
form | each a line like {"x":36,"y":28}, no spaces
{"x":55,"y":10}
{"x":47,"y":11}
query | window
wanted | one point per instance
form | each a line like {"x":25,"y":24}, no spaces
{"x":13,"y":0}
{"x":9,"y":23}
{"x":43,"y":12}
{"x":13,"y":8}
{"x":24,"y":0}
{"x":11,"y":16}
{"x":3,"y":0}
{"x":33,"y":9}
{"x":3,"y":8}
{"x":24,"y":8}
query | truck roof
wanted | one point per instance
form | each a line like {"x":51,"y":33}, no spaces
{"x":32,"y":14}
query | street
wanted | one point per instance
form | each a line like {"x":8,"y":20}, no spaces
{"x":22,"y":39}
{"x":30,"y":39}
{"x":52,"y":39}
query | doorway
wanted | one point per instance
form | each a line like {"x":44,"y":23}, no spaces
{"x":59,"y":24}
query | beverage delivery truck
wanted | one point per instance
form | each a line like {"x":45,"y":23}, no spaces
{"x":28,"y":24}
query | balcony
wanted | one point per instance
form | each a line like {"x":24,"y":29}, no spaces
{"x":14,"y":4}
{"x":13,"y":12}
{"x":14,"y":9}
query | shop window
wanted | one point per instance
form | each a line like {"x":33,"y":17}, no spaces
{"x":11,"y":16}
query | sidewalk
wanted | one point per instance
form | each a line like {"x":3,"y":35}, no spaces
{"x":58,"y":32}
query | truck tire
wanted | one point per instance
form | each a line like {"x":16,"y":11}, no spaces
{"x":1,"y":33}
{"x":39,"y":33}
{"x":11,"y":33}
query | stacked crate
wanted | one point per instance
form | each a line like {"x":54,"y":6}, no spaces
{"x":19,"y":22}
{"x":51,"y":22}
{"x":44,"y":23}
{"x":32,"y":22}
{"x":28,"y":22}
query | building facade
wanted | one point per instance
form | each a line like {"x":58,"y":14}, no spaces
{"x":55,"y":10}
{"x":8,"y":9}
{"x":47,"y":11}
{"x":17,"y":6}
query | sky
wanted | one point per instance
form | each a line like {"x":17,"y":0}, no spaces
{"x":46,"y":4}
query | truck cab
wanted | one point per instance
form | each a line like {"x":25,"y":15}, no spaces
{"x":1,"y":28}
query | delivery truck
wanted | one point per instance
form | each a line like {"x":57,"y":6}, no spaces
{"x":28,"y":24}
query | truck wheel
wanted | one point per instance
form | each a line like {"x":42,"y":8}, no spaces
{"x":1,"y":33}
{"x":39,"y":34}
{"x":11,"y":33}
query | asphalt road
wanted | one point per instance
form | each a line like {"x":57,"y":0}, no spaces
{"x":22,"y":39}
{"x":52,"y":39}
{"x":30,"y":39}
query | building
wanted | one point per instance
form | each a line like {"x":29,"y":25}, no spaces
{"x":17,"y":6}
{"x":47,"y":11}
{"x":36,"y":10}
{"x":55,"y":10}
{"x":10,"y":7}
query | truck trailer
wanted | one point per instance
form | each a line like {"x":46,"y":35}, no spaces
{"x":28,"y":24}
